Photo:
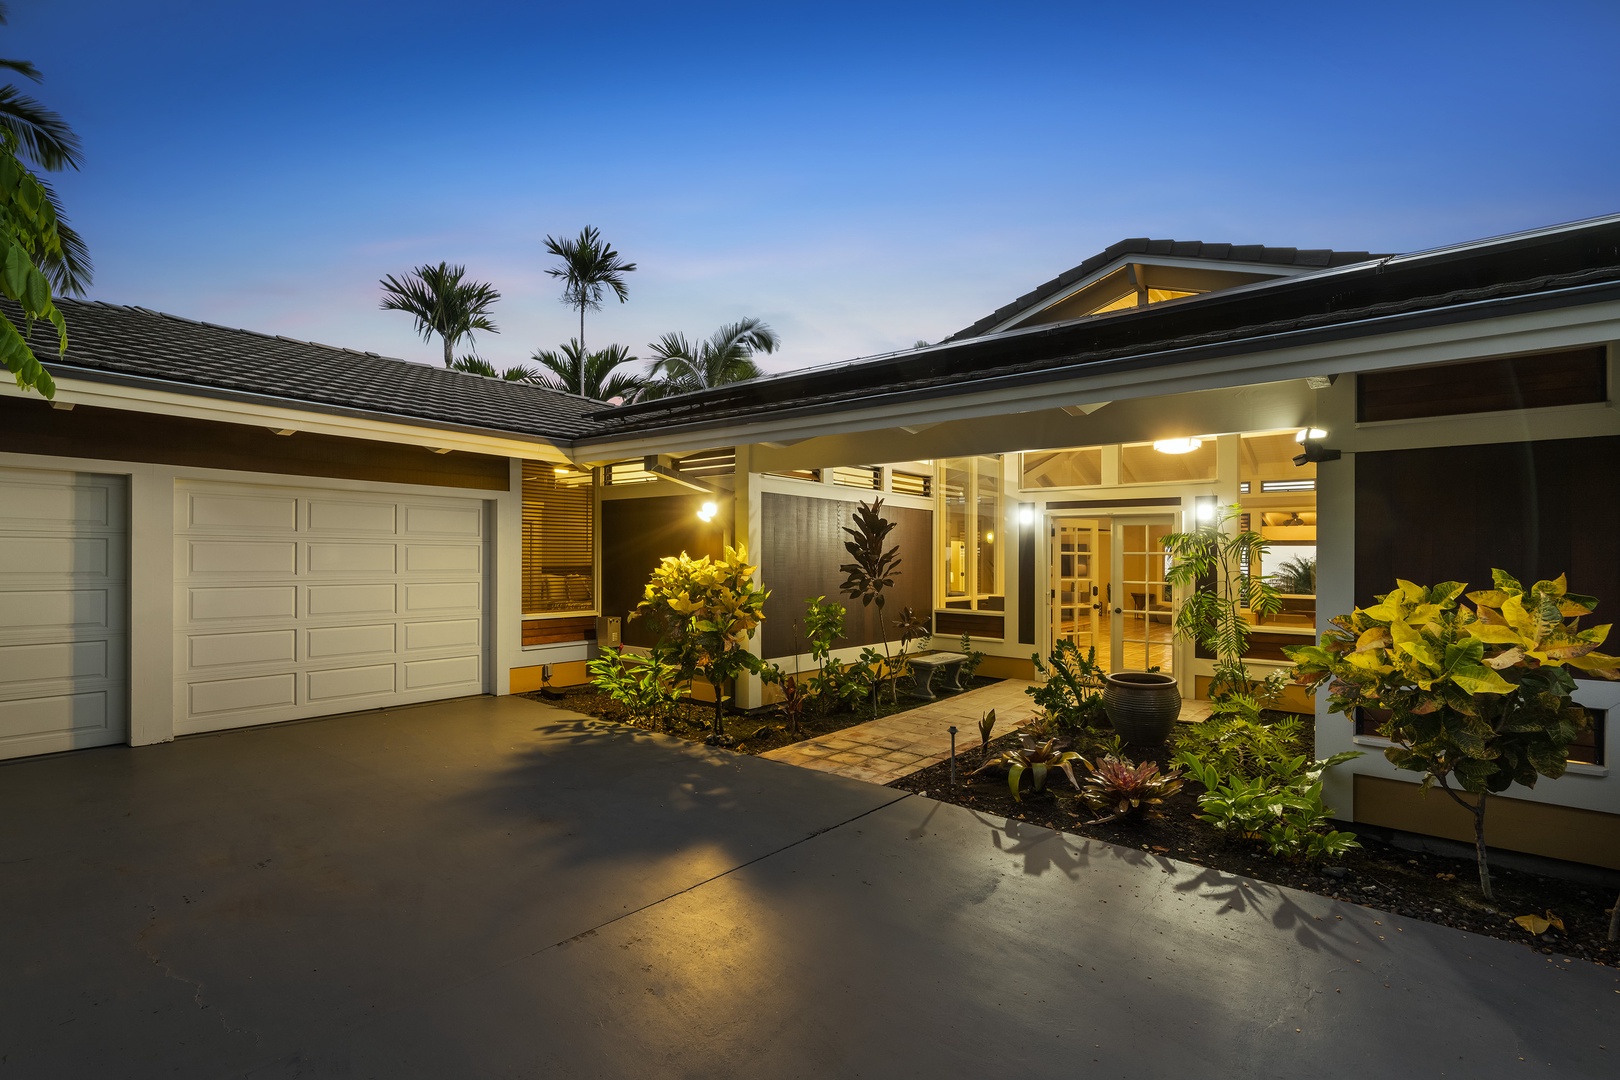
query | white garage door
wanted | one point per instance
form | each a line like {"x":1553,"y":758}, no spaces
{"x":64,"y":605}
{"x":294,"y":603}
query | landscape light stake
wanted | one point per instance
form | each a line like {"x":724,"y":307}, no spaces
{"x":953,"y":755}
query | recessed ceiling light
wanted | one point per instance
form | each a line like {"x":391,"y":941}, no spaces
{"x":1177,"y":446}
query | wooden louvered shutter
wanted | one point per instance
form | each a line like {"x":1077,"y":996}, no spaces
{"x":559,"y":534}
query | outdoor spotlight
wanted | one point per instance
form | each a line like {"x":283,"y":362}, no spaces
{"x":707,"y":511}
{"x":1177,"y":446}
{"x":1315,"y":452}
{"x":1313,"y":434}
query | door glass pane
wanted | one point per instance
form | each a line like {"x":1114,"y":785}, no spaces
{"x":1144,"y":598}
{"x":954,"y":477}
{"x":987,"y":512}
{"x":1077,"y":570}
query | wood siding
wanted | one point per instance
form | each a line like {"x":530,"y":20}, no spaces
{"x":558,"y":631}
{"x":1478,"y":386}
{"x":953,"y":624}
{"x":1452,"y":513}
{"x":803,"y":548}
{"x":34,"y":427}
{"x":636,"y":534}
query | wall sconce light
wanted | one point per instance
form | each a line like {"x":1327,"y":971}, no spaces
{"x":707,"y":511}
{"x":1177,"y":446}
{"x":1026,"y":515}
{"x":1206,"y":509}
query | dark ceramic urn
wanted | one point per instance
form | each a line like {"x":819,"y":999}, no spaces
{"x":1142,"y":705}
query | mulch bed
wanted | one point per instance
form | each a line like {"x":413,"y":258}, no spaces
{"x":755,"y":731}
{"x":1413,"y":884}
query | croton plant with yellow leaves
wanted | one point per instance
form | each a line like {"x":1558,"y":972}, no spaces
{"x":704,"y":611}
{"x":1475,"y":698}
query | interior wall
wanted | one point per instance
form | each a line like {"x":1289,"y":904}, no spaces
{"x":803,"y":548}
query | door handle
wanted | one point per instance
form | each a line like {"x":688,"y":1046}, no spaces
{"x":1096,"y":607}
{"x":1119,"y":611}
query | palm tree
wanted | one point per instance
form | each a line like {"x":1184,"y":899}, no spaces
{"x":41,"y":137}
{"x":477,"y":365}
{"x":601,"y":380}
{"x":442,"y":303}
{"x":589,"y":265}
{"x":680,"y":366}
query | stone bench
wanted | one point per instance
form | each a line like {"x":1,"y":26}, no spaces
{"x":923,"y":666}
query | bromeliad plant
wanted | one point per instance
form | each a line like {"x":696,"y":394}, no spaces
{"x":1208,"y":571}
{"x":1474,"y":699}
{"x":1121,"y":787}
{"x":705,"y":610}
{"x":1035,"y":758}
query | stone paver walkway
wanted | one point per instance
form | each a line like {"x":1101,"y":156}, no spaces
{"x":885,"y":750}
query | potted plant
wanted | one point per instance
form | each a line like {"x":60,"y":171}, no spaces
{"x":1476,"y":700}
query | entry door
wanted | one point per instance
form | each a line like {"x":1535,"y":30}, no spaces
{"x":1143,"y":630}
{"x":1079,"y":568}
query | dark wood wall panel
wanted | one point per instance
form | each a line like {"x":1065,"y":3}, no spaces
{"x":33,"y":427}
{"x":1026,"y":576}
{"x":1451,"y":513}
{"x":1576,"y":377}
{"x":804,"y":546}
{"x":953,"y":624}
{"x":559,"y":631}
{"x":636,"y":534}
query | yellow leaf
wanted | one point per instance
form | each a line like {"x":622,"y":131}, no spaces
{"x":1495,"y":633}
{"x":1536,"y":924}
{"x":1376,"y":638}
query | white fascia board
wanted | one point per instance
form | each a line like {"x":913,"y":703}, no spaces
{"x":267,"y":414}
{"x":1526,"y":332}
{"x":1272,"y":270}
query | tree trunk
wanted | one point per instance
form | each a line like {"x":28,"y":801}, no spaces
{"x":719,"y":711}
{"x":1614,"y":921}
{"x":448,"y":358}
{"x":1479,"y":848}
{"x":580,"y":388}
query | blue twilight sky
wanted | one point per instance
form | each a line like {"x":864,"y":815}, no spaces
{"x":859,"y":175}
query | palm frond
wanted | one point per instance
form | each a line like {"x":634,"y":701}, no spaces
{"x":42,"y":136}
{"x":442,"y":303}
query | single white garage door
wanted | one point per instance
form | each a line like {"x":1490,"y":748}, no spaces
{"x":64,"y":603}
{"x":294,"y":602}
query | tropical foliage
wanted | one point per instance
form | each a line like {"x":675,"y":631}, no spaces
{"x":1068,"y":686}
{"x":1035,"y":758}
{"x":28,"y":241}
{"x":1476,"y":699}
{"x":705,"y":611}
{"x":589,"y":268}
{"x":1121,"y":787}
{"x":594,"y":375}
{"x":40,"y":138}
{"x":442,"y":304}
{"x":1209,"y":571}
{"x":1296,"y":576}
{"x":648,"y":686}
{"x":873,"y":565}
{"x":681,"y":366}
{"x":477,"y":365}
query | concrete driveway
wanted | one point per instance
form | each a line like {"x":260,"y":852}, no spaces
{"x":493,"y":888}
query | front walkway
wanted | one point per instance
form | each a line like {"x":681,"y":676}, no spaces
{"x":883,"y":751}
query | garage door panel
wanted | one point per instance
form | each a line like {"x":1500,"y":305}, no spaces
{"x":258,"y":513}
{"x":224,"y":650}
{"x":443,"y":521}
{"x":335,"y":684}
{"x":52,"y":556}
{"x":238,"y":695}
{"x":349,"y":560}
{"x":381,"y":603}
{"x":22,"y":665}
{"x":351,"y":600}
{"x":441,"y":634}
{"x":64,"y":717}
{"x":444,"y":558}
{"x":448,"y":671}
{"x":242,"y":602}
{"x":242,"y":557}
{"x":44,"y":609}
{"x":324,"y":643}
{"x":442,"y":596}
{"x":349,"y":516}
{"x":48,"y":500}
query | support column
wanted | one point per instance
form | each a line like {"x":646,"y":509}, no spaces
{"x":1335,"y":595}
{"x":151,"y":606}
{"x":747,"y":526}
{"x":506,"y":580}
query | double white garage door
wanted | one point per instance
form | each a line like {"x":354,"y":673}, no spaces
{"x":288,"y":603}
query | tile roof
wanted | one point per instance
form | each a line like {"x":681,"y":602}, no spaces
{"x":1312,"y":258}
{"x":130,"y":341}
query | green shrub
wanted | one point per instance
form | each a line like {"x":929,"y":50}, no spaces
{"x":647,"y":686}
{"x":1069,"y":688}
{"x":1280,"y":807}
{"x":1035,"y":758}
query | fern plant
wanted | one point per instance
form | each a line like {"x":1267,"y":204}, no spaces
{"x":1069,"y":687}
{"x":1210,"y":571}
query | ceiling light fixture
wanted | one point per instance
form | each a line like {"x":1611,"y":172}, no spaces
{"x":1177,"y":446}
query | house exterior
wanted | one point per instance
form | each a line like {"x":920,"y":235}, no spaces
{"x":211,"y":528}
